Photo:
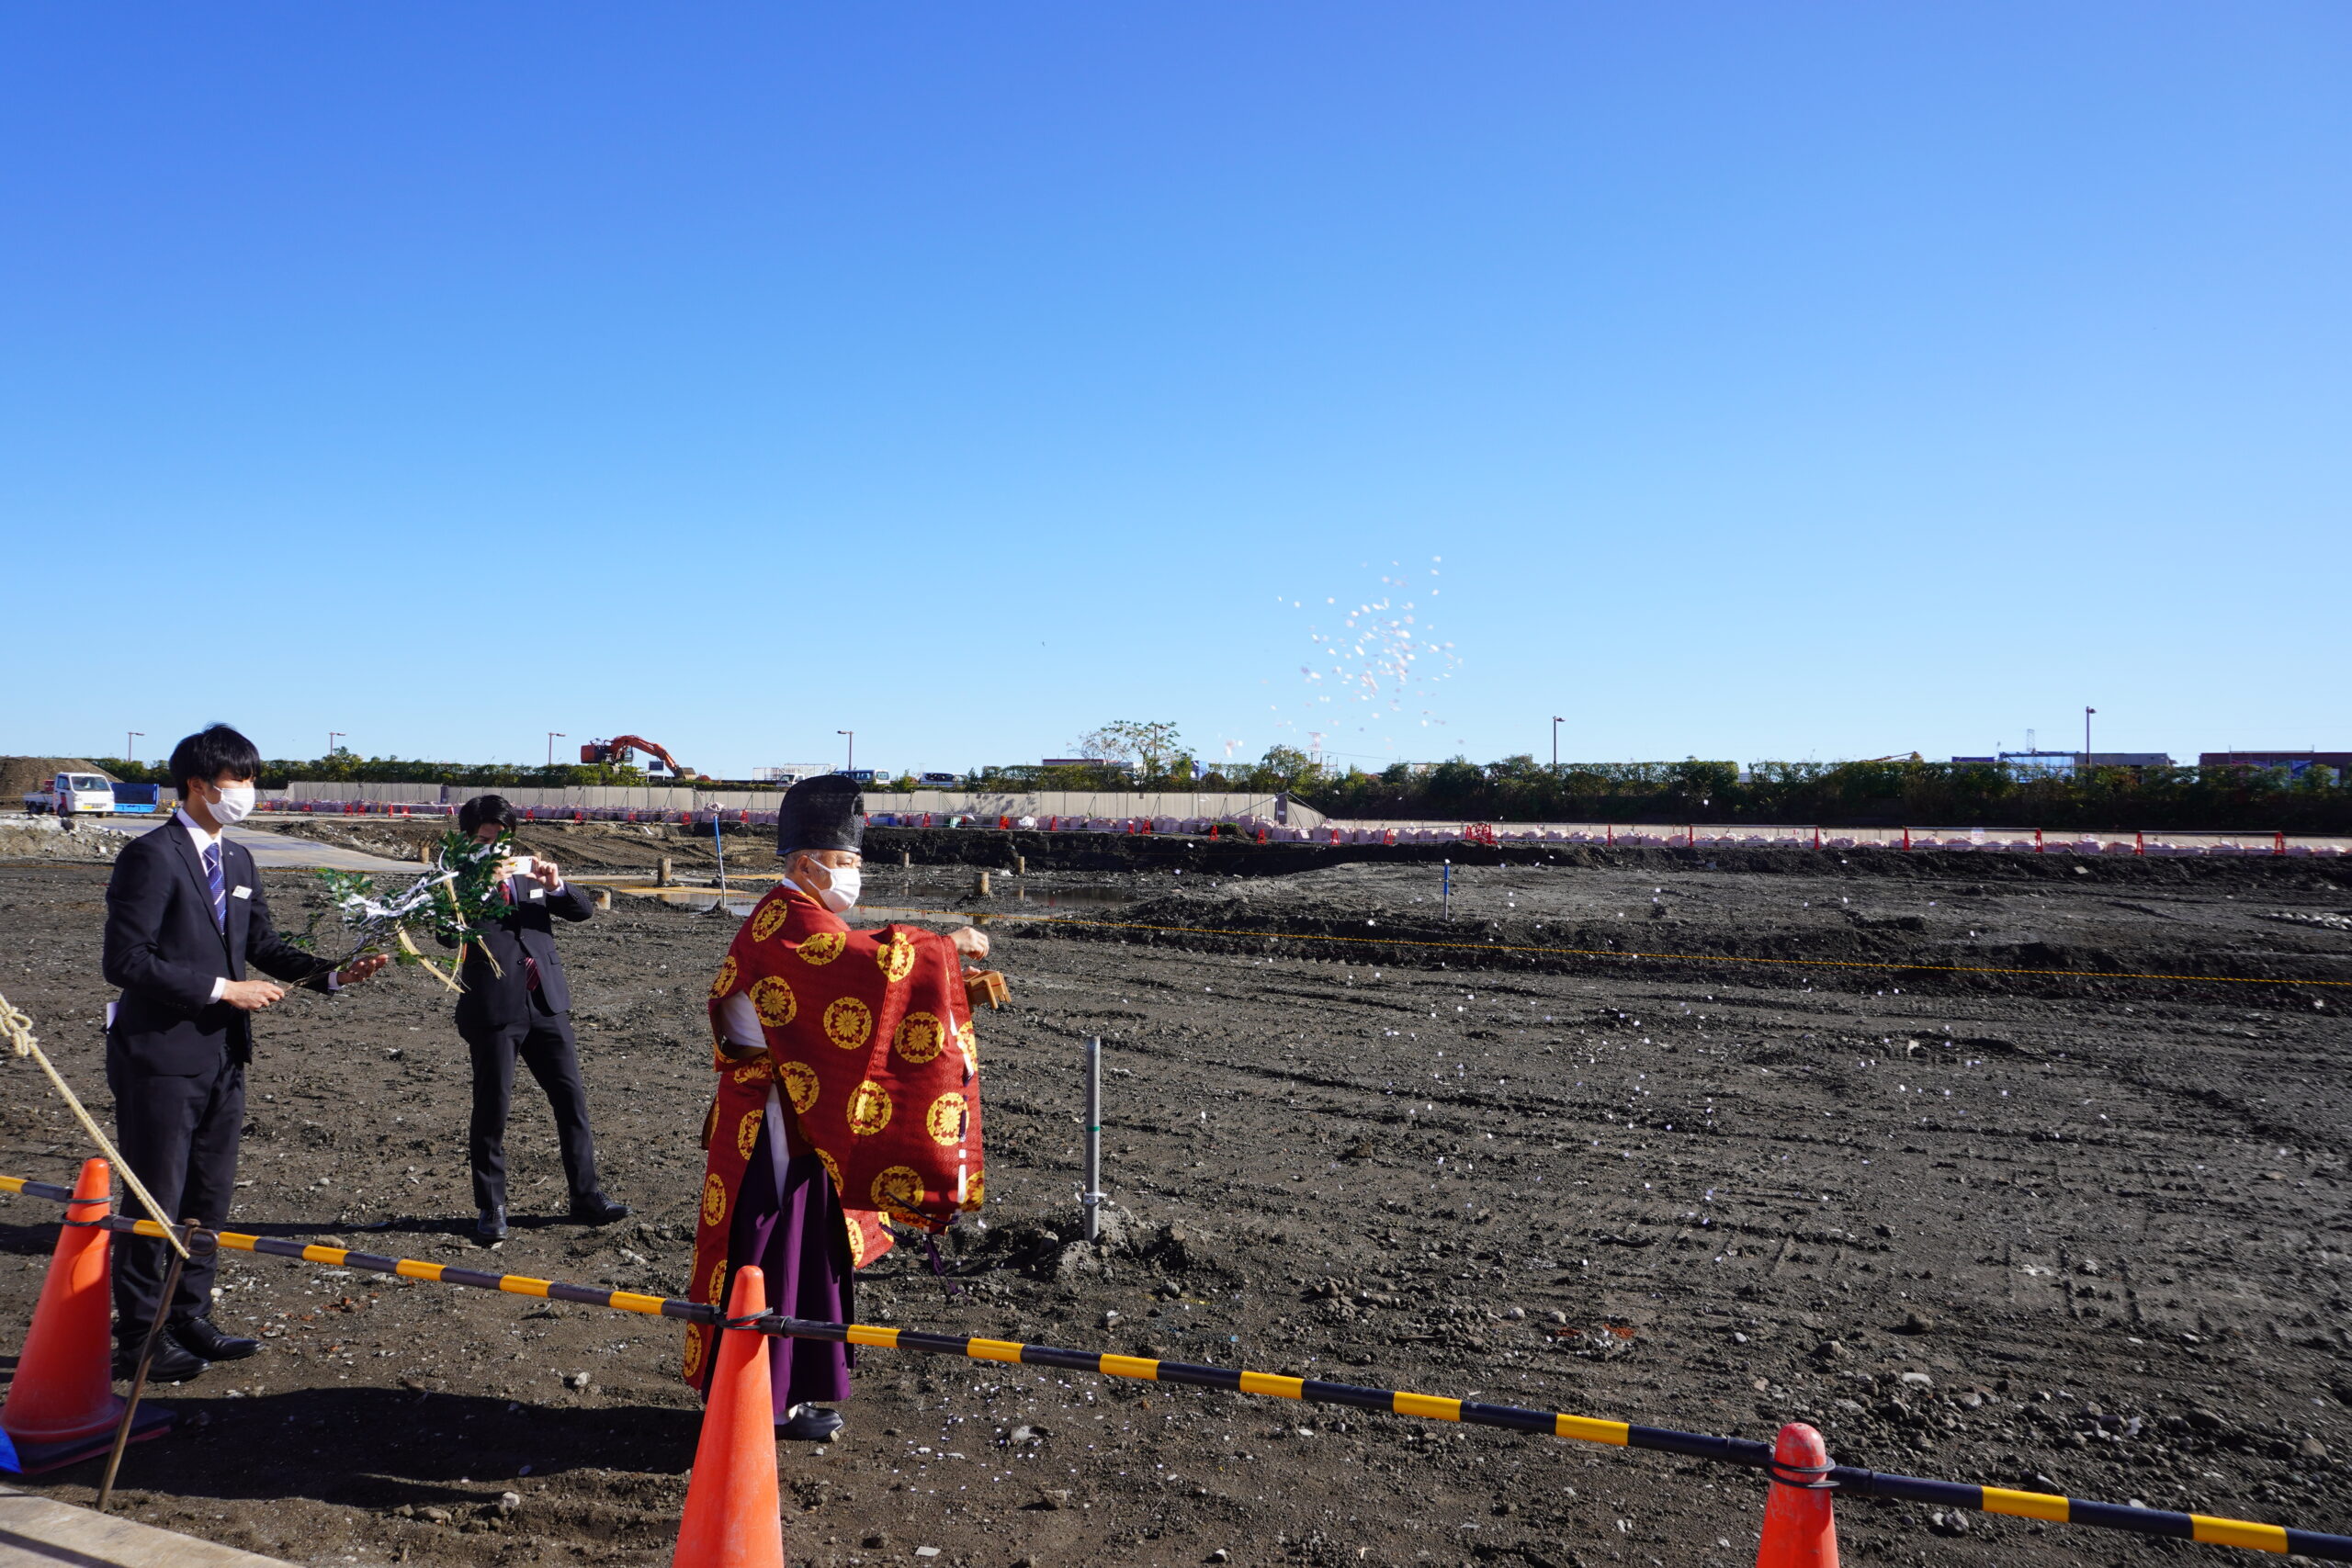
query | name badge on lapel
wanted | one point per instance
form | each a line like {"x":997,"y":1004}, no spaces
{"x":539,"y":893}
{"x":241,"y":891}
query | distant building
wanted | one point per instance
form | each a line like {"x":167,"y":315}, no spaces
{"x":1077,"y":763}
{"x":2066,"y":764}
{"x":790,"y":774}
{"x":1986,"y":762}
{"x":2297,"y":763}
{"x":2038,"y":764}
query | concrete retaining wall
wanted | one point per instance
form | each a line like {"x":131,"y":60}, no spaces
{"x":1042,"y":805}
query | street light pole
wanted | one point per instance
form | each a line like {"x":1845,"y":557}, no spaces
{"x":554,"y":736}
{"x":852,"y":766}
{"x":130,"y":752}
{"x":2087,"y":737}
{"x":334,"y":736}
{"x":1555,"y":742}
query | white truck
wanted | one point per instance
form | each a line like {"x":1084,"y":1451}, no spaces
{"x":72,"y":795}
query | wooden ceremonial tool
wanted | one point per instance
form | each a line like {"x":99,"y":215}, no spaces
{"x":985,"y":986}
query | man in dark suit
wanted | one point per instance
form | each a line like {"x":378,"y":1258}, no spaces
{"x":516,"y":1003}
{"x":185,"y":918}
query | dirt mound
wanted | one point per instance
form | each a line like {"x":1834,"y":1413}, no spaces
{"x":638,"y":846}
{"x":2044,"y":938}
{"x":48,"y":842}
{"x":18,"y":774}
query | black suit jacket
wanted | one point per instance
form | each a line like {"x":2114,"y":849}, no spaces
{"x":165,"y":951}
{"x":501,"y":999}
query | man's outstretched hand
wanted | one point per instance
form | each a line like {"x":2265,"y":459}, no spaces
{"x":359,"y":969}
{"x":252,"y":996}
{"x":970,"y":941}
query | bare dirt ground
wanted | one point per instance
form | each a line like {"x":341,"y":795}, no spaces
{"x":2080,"y":1237}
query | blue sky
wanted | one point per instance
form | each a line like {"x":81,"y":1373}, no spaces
{"x":1774,"y":380}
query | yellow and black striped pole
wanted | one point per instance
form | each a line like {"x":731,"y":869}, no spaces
{"x":406,"y":1268}
{"x":2211,"y":1529}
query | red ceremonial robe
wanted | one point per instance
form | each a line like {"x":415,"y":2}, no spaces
{"x":870,"y":1041}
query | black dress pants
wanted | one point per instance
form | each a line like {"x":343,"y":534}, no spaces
{"x":546,"y":1046}
{"x":179,"y":1135}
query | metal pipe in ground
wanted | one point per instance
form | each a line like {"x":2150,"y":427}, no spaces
{"x":1091,"y":1198}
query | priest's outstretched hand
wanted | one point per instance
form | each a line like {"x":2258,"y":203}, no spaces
{"x":359,"y":969}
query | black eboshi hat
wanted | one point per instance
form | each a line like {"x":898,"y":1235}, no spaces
{"x":824,"y":813}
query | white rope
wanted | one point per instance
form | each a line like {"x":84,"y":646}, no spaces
{"x":18,"y":1029}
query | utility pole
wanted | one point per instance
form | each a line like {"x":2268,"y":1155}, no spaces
{"x":129,"y":753}
{"x":852,"y":766}
{"x":1555,"y":742}
{"x":554,"y":736}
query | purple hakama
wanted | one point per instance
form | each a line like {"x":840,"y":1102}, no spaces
{"x":796,"y":1238}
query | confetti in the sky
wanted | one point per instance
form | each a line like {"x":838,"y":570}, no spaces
{"x":1376,"y":659}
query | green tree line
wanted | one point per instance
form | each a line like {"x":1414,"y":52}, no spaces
{"x":1922,"y":794}
{"x":1521,"y":789}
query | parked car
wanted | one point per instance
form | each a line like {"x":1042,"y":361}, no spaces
{"x":72,"y":795}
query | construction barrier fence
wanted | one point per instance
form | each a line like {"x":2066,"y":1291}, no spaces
{"x":1297,"y":825}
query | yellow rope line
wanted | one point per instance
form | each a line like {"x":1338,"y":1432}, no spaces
{"x":1573,"y":951}
{"x":1681,"y":957}
{"x":1614,"y":953}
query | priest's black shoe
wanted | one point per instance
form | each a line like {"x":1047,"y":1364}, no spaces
{"x":172,"y":1362}
{"x":490,"y":1228}
{"x":810,"y":1424}
{"x":201,"y":1336}
{"x":595,"y":1209}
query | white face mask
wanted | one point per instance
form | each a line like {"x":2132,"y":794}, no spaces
{"x":840,"y":894}
{"x":236,"y":804}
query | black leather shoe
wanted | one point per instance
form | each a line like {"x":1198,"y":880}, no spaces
{"x":201,"y":1336}
{"x":490,"y":1228}
{"x":811,"y":1424}
{"x":595,"y":1209}
{"x":172,"y":1362}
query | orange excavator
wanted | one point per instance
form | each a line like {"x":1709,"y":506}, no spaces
{"x":620,"y":750}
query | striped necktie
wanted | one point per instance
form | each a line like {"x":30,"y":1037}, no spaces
{"x":220,"y":888}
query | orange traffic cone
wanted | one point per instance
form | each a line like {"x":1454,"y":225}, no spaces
{"x":1799,"y":1530}
{"x":61,"y":1406}
{"x":733,"y":1517}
